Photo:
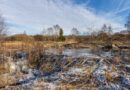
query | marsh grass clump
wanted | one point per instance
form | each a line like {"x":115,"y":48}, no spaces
{"x":65,"y":87}
{"x":6,"y":79}
{"x":108,"y":76}
{"x":7,"y":66}
{"x":117,"y":59}
{"x":35,"y":55}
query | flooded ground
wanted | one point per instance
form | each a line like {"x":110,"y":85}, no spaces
{"x":81,"y":52}
{"x":69,"y":69}
{"x":70,"y":52}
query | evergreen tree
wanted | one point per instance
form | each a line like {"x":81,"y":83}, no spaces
{"x":61,"y":35}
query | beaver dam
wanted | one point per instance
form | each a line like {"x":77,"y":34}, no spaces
{"x":66,"y":69}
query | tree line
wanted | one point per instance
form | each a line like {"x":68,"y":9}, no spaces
{"x":56,"y":33}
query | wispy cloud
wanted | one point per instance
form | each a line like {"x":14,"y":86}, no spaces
{"x":34,"y":15}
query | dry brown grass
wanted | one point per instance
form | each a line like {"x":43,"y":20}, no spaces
{"x":65,"y":87}
{"x":117,"y":59}
{"x":46,"y":67}
{"x":6,"y":79}
{"x":4,"y":67}
{"x":31,"y":44}
{"x":108,"y":76}
{"x":72,"y":87}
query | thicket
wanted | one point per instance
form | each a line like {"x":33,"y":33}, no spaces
{"x":101,"y":37}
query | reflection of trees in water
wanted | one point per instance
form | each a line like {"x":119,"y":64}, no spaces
{"x":60,"y":50}
{"x":96,"y":51}
{"x":77,"y":52}
{"x":87,"y":52}
{"x":100,"y":52}
{"x":55,"y":51}
{"x":125,"y":55}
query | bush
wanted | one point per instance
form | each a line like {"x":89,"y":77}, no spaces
{"x":61,"y":38}
{"x":38,"y":38}
{"x":119,"y":37}
{"x":103,"y":36}
{"x":19,"y":37}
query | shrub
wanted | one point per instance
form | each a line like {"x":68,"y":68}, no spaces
{"x":19,"y":37}
{"x":38,"y":38}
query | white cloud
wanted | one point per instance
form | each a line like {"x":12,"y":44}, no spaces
{"x":37,"y":14}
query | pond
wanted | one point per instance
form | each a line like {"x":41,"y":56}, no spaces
{"x":85,"y":52}
{"x":80,"y":52}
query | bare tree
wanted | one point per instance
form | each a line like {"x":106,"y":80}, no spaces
{"x":104,"y":28}
{"x":24,"y":33}
{"x":44,"y":32}
{"x":56,"y":29}
{"x":3,"y":29}
{"x":75,"y":32}
{"x":110,"y":29}
{"x":50,"y":31}
{"x":2,"y":34}
{"x":127,"y":25}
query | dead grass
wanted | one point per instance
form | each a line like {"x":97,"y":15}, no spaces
{"x":117,"y":59}
{"x":65,"y":87}
{"x":108,"y":76}
{"x":73,"y":87}
{"x":6,"y":79}
{"x":4,"y":68}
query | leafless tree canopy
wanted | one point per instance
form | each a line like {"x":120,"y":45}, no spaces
{"x":106,"y":28}
{"x":2,"y":26}
{"x":127,"y":25}
{"x":52,"y":31}
{"x":75,"y":31}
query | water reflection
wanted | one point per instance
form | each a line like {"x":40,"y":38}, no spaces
{"x":86,"y":52}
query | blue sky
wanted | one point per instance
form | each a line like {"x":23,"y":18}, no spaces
{"x":33,"y":16}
